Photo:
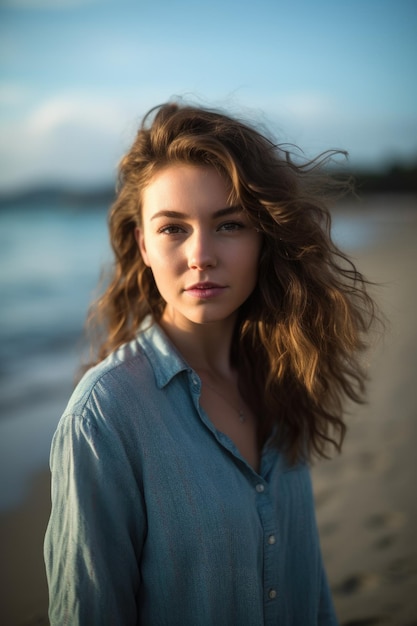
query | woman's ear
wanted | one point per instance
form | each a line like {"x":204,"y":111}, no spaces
{"x":140,"y":239}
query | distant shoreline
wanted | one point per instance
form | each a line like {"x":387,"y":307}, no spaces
{"x":395,"y":179}
{"x":99,"y":200}
{"x":59,"y":196}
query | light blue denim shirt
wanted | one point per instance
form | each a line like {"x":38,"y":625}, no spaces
{"x":158,"y":520}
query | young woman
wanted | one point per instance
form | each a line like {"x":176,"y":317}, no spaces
{"x":229,"y":336}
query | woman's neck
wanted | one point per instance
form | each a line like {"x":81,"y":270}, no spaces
{"x":205,"y":347}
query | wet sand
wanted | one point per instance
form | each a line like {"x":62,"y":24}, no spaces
{"x":366,"y":498}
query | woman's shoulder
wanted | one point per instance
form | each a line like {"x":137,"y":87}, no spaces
{"x":130,"y":379}
{"x":106,"y":384}
{"x":120,"y":396}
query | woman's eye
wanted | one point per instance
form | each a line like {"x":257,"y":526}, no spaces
{"x":171,"y":229}
{"x":231,"y":226}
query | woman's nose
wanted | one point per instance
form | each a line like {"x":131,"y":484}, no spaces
{"x":201,"y":252}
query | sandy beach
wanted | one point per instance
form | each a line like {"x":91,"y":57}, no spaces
{"x":366,"y":498}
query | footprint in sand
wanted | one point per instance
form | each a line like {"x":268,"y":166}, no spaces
{"x":392,"y":520}
{"x":368,"y":461}
{"x":385,"y":542}
{"x":400,"y":570}
{"x":365,"y":463}
{"x":357,"y":583}
{"x":388,"y":525}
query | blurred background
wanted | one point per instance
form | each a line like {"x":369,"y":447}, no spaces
{"x":76,"y":76}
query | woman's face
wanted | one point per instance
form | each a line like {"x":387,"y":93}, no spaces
{"x":203,"y":252}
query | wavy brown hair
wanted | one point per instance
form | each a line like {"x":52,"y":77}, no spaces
{"x":299,"y":336}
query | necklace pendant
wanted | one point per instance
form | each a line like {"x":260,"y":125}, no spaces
{"x":242,"y":418}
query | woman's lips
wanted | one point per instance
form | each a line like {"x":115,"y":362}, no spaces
{"x":205,"y":290}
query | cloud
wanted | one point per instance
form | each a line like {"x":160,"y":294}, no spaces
{"x":71,"y":137}
{"x":319,"y":121}
{"x":76,"y":110}
{"x":67,"y":138}
{"x":305,"y":106}
{"x":296,"y":109}
{"x":12,"y":94}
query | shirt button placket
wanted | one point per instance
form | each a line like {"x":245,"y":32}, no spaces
{"x":270,"y":555}
{"x":271,"y":541}
{"x":195,"y":387}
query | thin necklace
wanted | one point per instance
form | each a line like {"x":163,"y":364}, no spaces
{"x":242,"y":417}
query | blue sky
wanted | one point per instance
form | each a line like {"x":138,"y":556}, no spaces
{"x":77,"y":75}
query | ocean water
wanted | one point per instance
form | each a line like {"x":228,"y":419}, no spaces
{"x":50,"y":263}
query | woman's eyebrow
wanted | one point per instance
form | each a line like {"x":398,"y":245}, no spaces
{"x":229,"y":210}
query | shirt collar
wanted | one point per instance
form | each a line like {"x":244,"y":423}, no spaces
{"x":165,"y":360}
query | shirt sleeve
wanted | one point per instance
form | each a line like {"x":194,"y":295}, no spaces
{"x":96,"y":529}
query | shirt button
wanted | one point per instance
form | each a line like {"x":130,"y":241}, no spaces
{"x":260,"y":488}
{"x":271,"y":540}
{"x":272,"y":594}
